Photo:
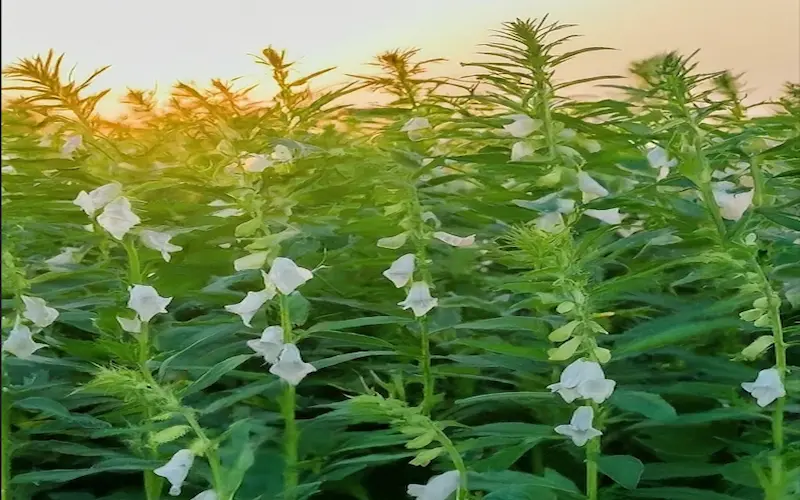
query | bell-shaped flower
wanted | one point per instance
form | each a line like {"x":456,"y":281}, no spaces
{"x":658,"y":158}
{"x":415,"y":127}
{"x":228,"y":212}
{"x":256,"y":163}
{"x":97,"y":198}
{"x":521,"y":150}
{"x":62,"y":262}
{"x":550,"y":222}
{"x":590,"y":188}
{"x":766,"y":388}
{"x":732,"y":205}
{"x":159,"y":242}
{"x":269,"y":345}
{"x":522,"y":126}
{"x":206,"y":495}
{"x":401,"y":270}
{"x":455,"y":241}
{"x":146,"y":301}
{"x":419,"y":299}
{"x":71,"y":143}
{"x":118,"y":218}
{"x":20,"y":342}
{"x":130,"y":325}
{"x":290,"y":366}
{"x":176,"y":470}
{"x":609,"y":216}
{"x":393,"y":242}
{"x":281,"y":154}
{"x":253,"y":261}
{"x":287,"y":276}
{"x":583,"y":379}
{"x":580,"y":426}
{"x":249,"y":305}
{"x":38,"y":312}
{"x":439,"y":487}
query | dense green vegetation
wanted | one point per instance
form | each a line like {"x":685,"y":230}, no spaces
{"x":485,"y":283}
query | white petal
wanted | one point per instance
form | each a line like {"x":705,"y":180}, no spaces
{"x":68,"y":257}
{"x":253,"y":261}
{"x":176,"y":470}
{"x":590,"y":188}
{"x":98,"y":198}
{"x":228,"y":212}
{"x":521,"y":150}
{"x":282,"y":154}
{"x":609,"y":216}
{"x":290,"y":366}
{"x":130,"y":325}
{"x":419,"y":299}
{"x":206,"y":495}
{"x":523,"y":126}
{"x":256,"y":163}
{"x":551,"y":222}
{"x":118,"y":218}
{"x":146,"y":301}
{"x":733,"y":206}
{"x":269,"y":345}
{"x":159,"y":241}
{"x":439,"y":487}
{"x":582,"y":418}
{"x":20,"y":342}
{"x":401,"y":270}
{"x":287,"y":276}
{"x":598,"y":390}
{"x":393,"y":242}
{"x":71,"y":143}
{"x":38,"y":312}
{"x":453,"y":240}
{"x":249,"y":305}
{"x":415,"y":124}
{"x":658,"y":158}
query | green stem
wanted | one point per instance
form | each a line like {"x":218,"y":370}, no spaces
{"x":458,"y":463}
{"x":211,"y":455}
{"x":592,"y":452}
{"x":758,"y":181}
{"x":134,"y":267}
{"x":713,"y":208}
{"x":5,"y":422}
{"x":428,"y":381}
{"x":288,"y":404}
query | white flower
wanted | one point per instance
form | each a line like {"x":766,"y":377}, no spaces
{"x":71,"y":143}
{"x":609,"y":216}
{"x":256,"y":163}
{"x":253,"y":261}
{"x":419,"y":299}
{"x":218,"y":203}
{"x":455,"y":241}
{"x":228,"y":212}
{"x":160,"y":242}
{"x":415,"y":126}
{"x":130,"y":325}
{"x":9,"y":169}
{"x":658,"y":158}
{"x":206,"y":495}
{"x":521,"y":150}
{"x":176,"y":470}
{"x":20,"y":342}
{"x":249,"y":305}
{"x":766,"y":388}
{"x":522,"y":126}
{"x":580,"y":426}
{"x":732,"y":206}
{"x":583,"y":379}
{"x":393,"y":242}
{"x":401,"y":270}
{"x":269,"y":345}
{"x":590,"y":188}
{"x":282,"y":154}
{"x":97,"y":198}
{"x":61,"y":262}
{"x":287,"y":276}
{"x":438,"y":487}
{"x":550,"y":222}
{"x":567,"y":134}
{"x":38,"y":312}
{"x":118,"y":218}
{"x":290,"y":366}
{"x":146,"y":301}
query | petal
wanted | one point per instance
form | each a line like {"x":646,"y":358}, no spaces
{"x":248,"y":306}
{"x":453,"y":240}
{"x":130,"y":325}
{"x":393,"y":242}
{"x":288,"y":276}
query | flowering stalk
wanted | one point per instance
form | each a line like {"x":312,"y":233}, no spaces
{"x":458,"y":463}
{"x":288,"y":404}
{"x":428,"y":380}
{"x":5,"y":423}
{"x":592,"y":453}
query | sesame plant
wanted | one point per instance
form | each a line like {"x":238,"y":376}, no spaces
{"x":483,"y":289}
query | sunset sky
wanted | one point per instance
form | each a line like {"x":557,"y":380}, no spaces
{"x":155,"y":43}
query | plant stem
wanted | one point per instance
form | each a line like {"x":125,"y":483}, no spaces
{"x":288,"y":404}
{"x":5,"y":422}
{"x":211,"y":454}
{"x":458,"y":463}
{"x":592,"y":452}
{"x":427,"y":374}
{"x":713,"y":208}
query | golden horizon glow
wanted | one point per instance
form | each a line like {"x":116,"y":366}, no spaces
{"x":157,"y":43}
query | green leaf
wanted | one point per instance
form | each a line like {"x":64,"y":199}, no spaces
{"x":677,"y":493}
{"x":644,"y":403}
{"x":358,"y":322}
{"x":625,"y":470}
{"x":343,"y":358}
{"x":215,"y":373}
{"x":502,"y":323}
{"x":64,"y":475}
{"x":299,"y":307}
{"x":425,"y":457}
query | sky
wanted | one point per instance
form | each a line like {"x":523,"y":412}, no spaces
{"x":154,"y":43}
